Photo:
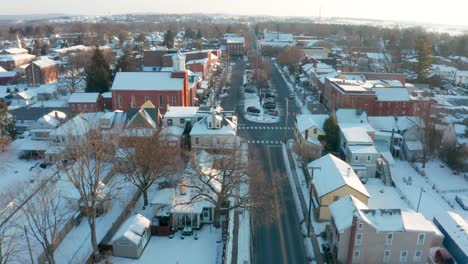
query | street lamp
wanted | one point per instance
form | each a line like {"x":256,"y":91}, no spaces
{"x":310,"y":197}
{"x":286,"y":122}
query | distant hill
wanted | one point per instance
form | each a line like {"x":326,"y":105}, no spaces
{"x":31,"y":16}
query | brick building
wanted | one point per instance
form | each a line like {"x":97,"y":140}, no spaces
{"x":176,"y":88}
{"x":43,"y":71}
{"x":211,"y":55}
{"x":85,"y":103}
{"x":377,"y":98}
{"x":10,"y":62}
{"x":234,"y":45}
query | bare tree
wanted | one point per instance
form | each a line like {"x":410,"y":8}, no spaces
{"x":9,"y":239}
{"x":224,"y":178}
{"x":290,"y":57}
{"x":144,"y":160}
{"x":45,"y":217}
{"x":261,"y":71}
{"x":73,"y":73}
{"x":87,"y":174}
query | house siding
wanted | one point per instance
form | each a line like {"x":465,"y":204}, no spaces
{"x":326,"y":200}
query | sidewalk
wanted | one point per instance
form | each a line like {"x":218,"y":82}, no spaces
{"x":303,"y":204}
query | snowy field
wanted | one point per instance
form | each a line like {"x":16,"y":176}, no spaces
{"x":162,"y":250}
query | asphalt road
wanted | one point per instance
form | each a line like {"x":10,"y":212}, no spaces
{"x":279,"y":241}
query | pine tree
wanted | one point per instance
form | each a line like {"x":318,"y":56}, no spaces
{"x":423,"y":47}
{"x":169,"y":39}
{"x":199,"y":34}
{"x":97,"y":73}
{"x":330,"y":127}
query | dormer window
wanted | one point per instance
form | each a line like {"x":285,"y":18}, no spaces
{"x":209,"y":125}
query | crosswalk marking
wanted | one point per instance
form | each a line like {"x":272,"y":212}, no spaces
{"x":263,"y":128}
{"x":268,"y":142}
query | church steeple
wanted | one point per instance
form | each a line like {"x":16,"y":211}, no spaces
{"x":18,"y":42}
{"x":178,"y":62}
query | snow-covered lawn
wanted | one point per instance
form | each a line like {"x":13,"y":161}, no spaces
{"x":384,"y":197}
{"x":162,"y":250}
{"x":51,"y":103}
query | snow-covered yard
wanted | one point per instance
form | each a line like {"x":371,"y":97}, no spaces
{"x":384,"y":197}
{"x":15,"y":170}
{"x":437,"y":189}
{"x":162,"y":250}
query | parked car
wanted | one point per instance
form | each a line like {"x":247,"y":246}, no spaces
{"x":272,"y":112}
{"x":292,"y":96}
{"x":253,"y":109}
{"x":269,"y":105}
{"x":249,"y":90}
{"x":462,"y":200}
{"x":270,"y":95}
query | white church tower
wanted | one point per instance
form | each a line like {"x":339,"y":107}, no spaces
{"x":178,"y":62}
{"x":18,"y":42}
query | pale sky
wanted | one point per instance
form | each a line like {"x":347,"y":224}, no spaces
{"x":435,"y":11}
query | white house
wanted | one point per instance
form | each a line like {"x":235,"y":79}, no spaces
{"x":41,"y":129}
{"x":180,"y":116}
{"x":24,"y":98}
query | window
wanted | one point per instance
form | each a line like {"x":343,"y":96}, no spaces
{"x":417,"y":256}
{"x":85,"y":107}
{"x":421,"y":239}
{"x":91,"y":107}
{"x":360,"y":226}
{"x":79,"y":107}
{"x":386,"y":256}
{"x":182,"y":120}
{"x":169,"y":122}
{"x":356,"y":158}
{"x":358,"y":239}
{"x":389,"y":239}
{"x":356,"y":255}
{"x":132,"y":101}
{"x":119,"y":101}
{"x":209,"y":124}
{"x":368,"y":157}
{"x":315,"y":131}
{"x":336,"y":198}
{"x":161,"y":101}
{"x":218,"y":140}
{"x":72,"y":107}
{"x":197,"y":141}
{"x":403,"y":256}
{"x":146,"y":98}
{"x":174,"y":101}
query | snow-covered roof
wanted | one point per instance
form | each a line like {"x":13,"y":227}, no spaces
{"x":7,"y":74}
{"x":460,"y":129}
{"x":107,"y":95}
{"x":28,"y":144}
{"x":358,"y":149}
{"x":306,"y":121}
{"x":456,"y":227}
{"x":16,"y":57}
{"x":398,"y":123}
{"x":230,"y":40}
{"x":44,"y":62}
{"x":16,"y":51}
{"x":355,"y":134}
{"x":413,"y":145}
{"x":132,"y":229}
{"x":391,"y":94}
{"x":333,"y":174}
{"x":383,"y":220}
{"x":376,"y":56}
{"x":201,"y":128}
{"x":28,"y":94}
{"x":181,"y":111}
{"x":2,"y":70}
{"x":146,"y":81}
{"x":274,"y":36}
{"x":202,"y":61}
{"x":348,"y":115}
{"x":83,"y":98}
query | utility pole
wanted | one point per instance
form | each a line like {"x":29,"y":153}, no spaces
{"x":310,"y":197}
{"x":419,"y":201}
{"x":286,"y":122}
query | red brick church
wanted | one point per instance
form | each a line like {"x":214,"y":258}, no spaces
{"x":176,"y":88}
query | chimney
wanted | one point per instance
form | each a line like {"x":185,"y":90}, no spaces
{"x":352,"y":240}
{"x":306,"y":134}
{"x":183,"y":187}
{"x":349,"y":172}
{"x":168,"y":107}
{"x":213,"y":118}
{"x":56,"y":115}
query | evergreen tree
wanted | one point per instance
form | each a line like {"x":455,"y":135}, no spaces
{"x":127,"y":63}
{"x":199,"y":34}
{"x":189,"y":34}
{"x":97,"y":73}
{"x":169,"y":39}
{"x":424,"y":50}
{"x":330,"y":126}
